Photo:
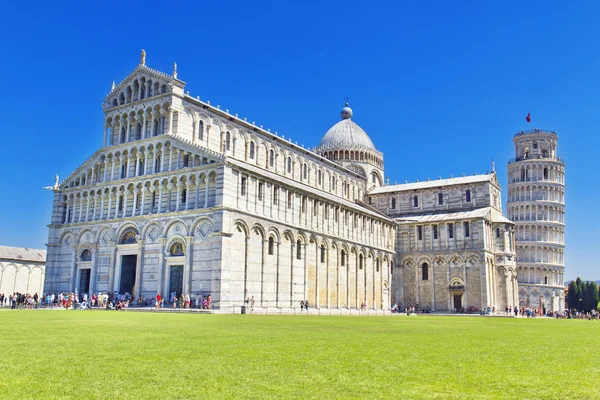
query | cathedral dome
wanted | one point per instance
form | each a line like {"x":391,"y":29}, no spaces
{"x":346,"y":134}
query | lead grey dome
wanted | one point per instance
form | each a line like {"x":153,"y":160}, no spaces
{"x":346,"y":134}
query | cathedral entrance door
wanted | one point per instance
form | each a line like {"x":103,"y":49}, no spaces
{"x":176,"y":280}
{"x":84,"y":281}
{"x":127,"y":282}
{"x":458,"y":301}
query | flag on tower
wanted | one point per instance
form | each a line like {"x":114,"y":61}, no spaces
{"x":528,"y":118}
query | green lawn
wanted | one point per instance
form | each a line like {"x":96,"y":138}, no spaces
{"x":117,"y":355}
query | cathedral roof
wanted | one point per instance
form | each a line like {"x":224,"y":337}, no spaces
{"x":488,"y":213}
{"x":346,"y":135}
{"x":435,"y":183}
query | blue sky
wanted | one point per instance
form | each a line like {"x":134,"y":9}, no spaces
{"x":441,"y":87}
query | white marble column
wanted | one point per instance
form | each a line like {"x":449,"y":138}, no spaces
{"x":144,"y":190}
{"x":136,"y":193}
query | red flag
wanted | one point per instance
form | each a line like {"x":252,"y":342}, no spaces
{"x":528,"y":118}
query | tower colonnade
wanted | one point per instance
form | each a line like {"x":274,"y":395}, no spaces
{"x":536,"y":203}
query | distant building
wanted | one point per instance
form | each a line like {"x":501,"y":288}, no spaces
{"x":536,"y":204}
{"x":22,"y":270}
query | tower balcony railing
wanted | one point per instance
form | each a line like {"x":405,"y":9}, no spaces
{"x":535,"y":130}
{"x":527,"y":157}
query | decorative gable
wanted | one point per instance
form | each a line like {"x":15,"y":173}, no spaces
{"x":141,"y":84}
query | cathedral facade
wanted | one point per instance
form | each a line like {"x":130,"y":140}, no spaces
{"x":185,"y":197}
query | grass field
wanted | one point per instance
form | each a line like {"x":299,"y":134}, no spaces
{"x":117,"y":355}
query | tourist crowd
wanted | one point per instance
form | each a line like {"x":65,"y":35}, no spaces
{"x":108,"y":300}
{"x":19,"y":300}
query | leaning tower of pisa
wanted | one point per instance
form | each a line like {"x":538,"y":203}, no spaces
{"x":536,"y":204}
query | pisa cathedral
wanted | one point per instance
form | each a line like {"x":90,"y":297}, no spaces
{"x":186,"y":197}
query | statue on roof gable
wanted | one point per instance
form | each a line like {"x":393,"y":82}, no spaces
{"x":143,"y":57}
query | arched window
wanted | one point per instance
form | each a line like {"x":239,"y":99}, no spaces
{"x":183,"y":196}
{"x":86,"y":255}
{"x":545,"y":172}
{"x":228,"y":141}
{"x":305,"y":171}
{"x":322,"y":253}
{"x":319,"y":177}
{"x":377,"y":265}
{"x":289,"y":165}
{"x":271,"y":158}
{"x":201,"y":130}
{"x":425,"y":268}
{"x":176,"y":249}
{"x":299,"y":250}
{"x":535,"y":145}
{"x":468,"y":195}
{"x":271,"y":245}
{"x":128,"y":237}
{"x":251,"y":152}
{"x":440,"y":198}
{"x":343,"y":258}
{"x":393,"y":206}
{"x":360,"y":261}
{"x":415,"y":201}
{"x":497,"y":232}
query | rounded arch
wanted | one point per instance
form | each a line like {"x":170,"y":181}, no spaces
{"x":176,"y":246}
{"x":81,"y":236}
{"x":128,"y":234}
{"x":259,"y":229}
{"x":151,"y":232}
{"x":67,"y":238}
{"x":171,"y":223}
{"x":275,"y":233}
{"x":241,"y":226}
{"x":202,"y":226}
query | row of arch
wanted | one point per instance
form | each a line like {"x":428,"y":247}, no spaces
{"x":540,"y":233}
{"x":372,"y":157}
{"x":142,"y":87}
{"x":540,"y":275}
{"x":536,"y":193}
{"x":131,"y":232}
{"x":536,"y":172}
{"x":21,"y":278}
{"x":141,"y":123}
{"x":329,"y":273}
{"x":548,"y":254}
{"x":521,"y":212}
{"x":182,"y":192}
{"x":161,"y":156}
{"x":312,"y":211}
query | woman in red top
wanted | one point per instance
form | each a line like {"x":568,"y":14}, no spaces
{"x":158,"y":300}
